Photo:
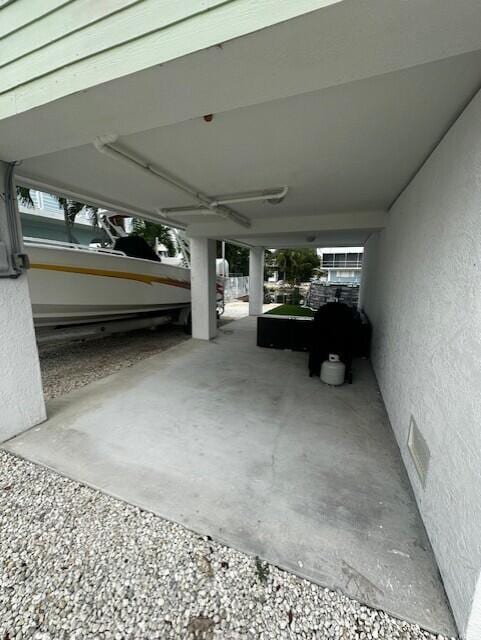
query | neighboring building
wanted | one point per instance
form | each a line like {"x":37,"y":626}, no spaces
{"x":46,"y":220}
{"x":343,"y":264}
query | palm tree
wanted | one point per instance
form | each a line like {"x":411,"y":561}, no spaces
{"x":23,"y":194}
{"x":70,"y":209}
{"x":285,"y":260}
{"x":151,"y":231}
{"x":297,"y":265}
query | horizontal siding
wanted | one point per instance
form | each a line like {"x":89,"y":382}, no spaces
{"x":18,"y":14}
{"x":55,"y":25}
{"x":102,"y":30}
{"x":133,"y":38}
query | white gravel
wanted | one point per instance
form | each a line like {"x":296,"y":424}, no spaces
{"x":75,"y":563}
{"x":74,"y":364}
{"x":71,"y":365}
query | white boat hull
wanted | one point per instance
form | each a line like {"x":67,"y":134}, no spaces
{"x":70,"y":285}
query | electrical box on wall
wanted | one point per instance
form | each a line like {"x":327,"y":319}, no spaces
{"x":419,"y":450}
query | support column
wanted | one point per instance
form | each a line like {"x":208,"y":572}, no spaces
{"x":256,"y":281}
{"x":21,"y":395}
{"x":203,"y":288}
{"x":473,"y":630}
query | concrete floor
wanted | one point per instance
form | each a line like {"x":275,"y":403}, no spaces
{"x":237,"y":309}
{"x":237,"y":442}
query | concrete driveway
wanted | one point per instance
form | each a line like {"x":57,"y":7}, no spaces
{"x":237,"y":442}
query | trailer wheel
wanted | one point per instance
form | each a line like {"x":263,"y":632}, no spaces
{"x":184,"y":319}
{"x":188,"y":325}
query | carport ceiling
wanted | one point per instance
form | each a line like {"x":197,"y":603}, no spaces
{"x":350,"y":148}
{"x":342,"y":106}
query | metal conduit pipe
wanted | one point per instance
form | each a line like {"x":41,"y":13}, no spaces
{"x":186,"y":211}
{"x":13,"y":260}
{"x":105,"y":146}
{"x":273,"y":196}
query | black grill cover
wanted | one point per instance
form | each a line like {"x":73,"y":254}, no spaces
{"x":334,"y":331}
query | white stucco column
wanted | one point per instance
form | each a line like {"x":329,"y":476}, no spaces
{"x":203,"y":290}
{"x":256,"y":281}
{"x":21,"y":396}
{"x":473,"y":630}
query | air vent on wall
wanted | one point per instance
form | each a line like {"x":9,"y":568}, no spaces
{"x":419,"y":450}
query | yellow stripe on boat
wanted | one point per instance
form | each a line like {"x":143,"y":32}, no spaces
{"x":108,"y":273}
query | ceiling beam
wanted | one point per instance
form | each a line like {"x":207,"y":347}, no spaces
{"x":291,"y":224}
{"x":93,"y":200}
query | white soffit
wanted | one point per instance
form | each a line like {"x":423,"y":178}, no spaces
{"x":338,"y":238}
{"x":348,"y":148}
{"x":342,"y":145}
{"x":338,"y":44}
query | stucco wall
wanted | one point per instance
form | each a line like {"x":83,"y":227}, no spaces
{"x":21,"y":397}
{"x":422,"y":292}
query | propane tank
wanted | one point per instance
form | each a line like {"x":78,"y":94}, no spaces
{"x":222,"y":267}
{"x":333,"y":370}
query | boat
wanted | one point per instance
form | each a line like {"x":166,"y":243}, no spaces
{"x":72,"y":284}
